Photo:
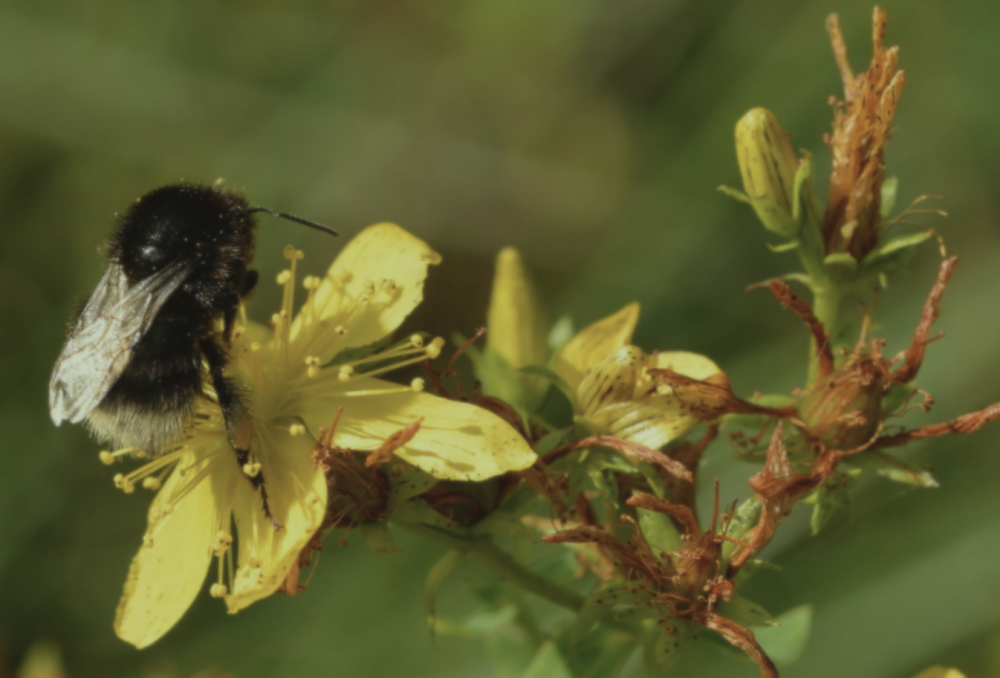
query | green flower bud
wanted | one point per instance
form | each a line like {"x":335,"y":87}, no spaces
{"x":768,"y":165}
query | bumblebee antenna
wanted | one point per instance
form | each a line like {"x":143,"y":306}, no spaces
{"x":292,"y":217}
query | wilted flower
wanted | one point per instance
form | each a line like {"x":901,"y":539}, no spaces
{"x":294,"y":385}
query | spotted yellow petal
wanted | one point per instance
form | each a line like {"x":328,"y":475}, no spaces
{"x":297,"y":497}
{"x":691,"y":365}
{"x":516,"y":325}
{"x":653,"y":421}
{"x":595,"y":342}
{"x":456,"y":441}
{"x":170,"y":567}
{"x":375,"y":282}
{"x":612,"y":379}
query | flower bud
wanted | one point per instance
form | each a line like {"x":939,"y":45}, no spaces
{"x":844,"y":409}
{"x":768,"y":165}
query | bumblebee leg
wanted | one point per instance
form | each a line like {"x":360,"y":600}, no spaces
{"x":239,"y":423}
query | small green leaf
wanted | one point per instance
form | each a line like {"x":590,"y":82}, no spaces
{"x":378,"y":538}
{"x":659,"y":531}
{"x":784,"y":247}
{"x":890,"y":187}
{"x":840,"y":263}
{"x":785,"y":643}
{"x":895,"y":252}
{"x":668,"y":646}
{"x":745,"y":612}
{"x":562,"y":331}
{"x":895,"y":469}
{"x":746,"y":517}
{"x":550,"y":376}
{"x":735,"y":194}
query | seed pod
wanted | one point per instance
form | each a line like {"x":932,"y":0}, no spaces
{"x":768,"y":165}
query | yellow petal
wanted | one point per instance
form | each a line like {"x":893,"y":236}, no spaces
{"x":653,"y":421}
{"x":940,"y":672}
{"x":297,"y":498}
{"x":691,"y":365}
{"x":169,"y":570}
{"x":375,"y":282}
{"x":456,"y":441}
{"x":516,"y":323}
{"x":611,"y":380}
{"x":595,"y":342}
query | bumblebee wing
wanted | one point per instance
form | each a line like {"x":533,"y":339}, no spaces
{"x":104,"y":337}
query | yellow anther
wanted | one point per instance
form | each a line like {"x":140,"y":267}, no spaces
{"x":255,"y":346}
{"x":128,"y":487}
{"x":388,"y":286}
{"x":417,"y":384}
{"x":167,"y":509}
{"x":346,"y":372}
{"x":275,"y":319}
{"x":106,"y":458}
{"x":311,"y":282}
{"x":434,"y":349}
{"x":664,"y":389}
{"x":312,"y":360}
{"x":284,"y":277}
{"x":156,"y":515}
{"x":300,"y":255}
{"x":218,"y":591}
{"x":289,"y":252}
{"x":340,"y":330}
{"x":312,"y":372}
{"x":344,"y":277}
{"x":255,"y":562}
{"x":119,"y":480}
{"x":296,"y":430}
{"x":151,"y":483}
{"x":147,"y":542}
{"x":251,"y":469}
{"x":416,"y":340}
{"x":369,"y":288}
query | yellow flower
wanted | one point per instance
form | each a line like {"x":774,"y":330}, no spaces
{"x":613,"y":393}
{"x":293,"y":386}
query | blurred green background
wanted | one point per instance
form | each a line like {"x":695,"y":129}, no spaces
{"x":591,"y":135}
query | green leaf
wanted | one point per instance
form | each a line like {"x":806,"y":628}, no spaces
{"x":745,"y":612}
{"x":667,"y":646}
{"x":895,"y":469}
{"x":840,"y":264}
{"x":432,"y":583}
{"x":659,"y":531}
{"x":895,"y":252}
{"x":746,"y":517}
{"x":547,"y":663}
{"x":784,"y":247}
{"x":890,"y":187}
{"x":378,"y":538}
{"x":785,"y":643}
{"x":735,"y":194}
{"x":562,"y":331}
{"x":600,"y":654}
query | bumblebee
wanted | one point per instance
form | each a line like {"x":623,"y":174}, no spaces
{"x":179,"y":262}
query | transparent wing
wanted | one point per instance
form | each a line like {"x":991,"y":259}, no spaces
{"x":105,"y":334}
